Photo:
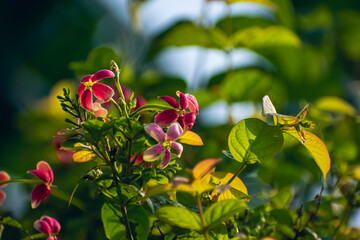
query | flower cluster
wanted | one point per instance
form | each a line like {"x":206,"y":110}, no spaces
{"x":49,"y":226}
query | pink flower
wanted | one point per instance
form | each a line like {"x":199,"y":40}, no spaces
{"x":41,"y":191}
{"x":4,"y":176}
{"x":178,"y":113}
{"x":49,"y":226}
{"x":102,"y":92}
{"x":166,"y":142}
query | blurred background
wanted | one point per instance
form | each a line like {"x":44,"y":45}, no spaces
{"x":229,"y":54}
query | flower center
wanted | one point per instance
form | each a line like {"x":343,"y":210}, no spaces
{"x":89,"y":84}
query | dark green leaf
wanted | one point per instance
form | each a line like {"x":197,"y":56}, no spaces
{"x":138,"y":216}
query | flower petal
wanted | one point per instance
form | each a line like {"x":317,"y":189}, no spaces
{"x":174,"y":132}
{"x":40,"y":174}
{"x":4,"y":176}
{"x":166,"y":117}
{"x":153,"y":153}
{"x":42,"y":226}
{"x":42,"y":165}
{"x":81,"y":89}
{"x":56,"y":227}
{"x":178,"y":147}
{"x":170,"y":100}
{"x":86,"y":100}
{"x":86,"y":78}
{"x":190,"y":119}
{"x":166,"y":159}
{"x":99,"y":111}
{"x":192,"y":103}
{"x":99,"y":75}
{"x":182,"y":100}
{"x":2,"y":197}
{"x":156,"y":132}
{"x":181,"y":121}
{"x":103,"y":92}
{"x":38,"y":194}
{"x":53,"y":223}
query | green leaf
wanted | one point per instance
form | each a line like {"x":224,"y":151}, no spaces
{"x":11,"y":222}
{"x":268,"y":37}
{"x":179,"y":216}
{"x":138,"y":216}
{"x":221,"y":211}
{"x":97,"y":129}
{"x":335,"y":105}
{"x":188,"y":34}
{"x":316,"y":149}
{"x":253,"y":140}
{"x":287,"y":230}
{"x":98,"y":58}
{"x":111,"y":218}
{"x":246,"y":84}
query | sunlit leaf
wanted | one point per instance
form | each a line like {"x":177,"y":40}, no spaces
{"x":179,"y":216}
{"x":204,"y":167}
{"x":200,"y":186}
{"x":262,"y":2}
{"x":84,"y":156}
{"x":221,"y":178}
{"x":220,"y":211}
{"x":336,"y":105}
{"x":316,"y":148}
{"x":272,"y":36}
{"x":253,"y":140}
{"x":191,"y":138}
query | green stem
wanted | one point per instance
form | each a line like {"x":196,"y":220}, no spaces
{"x":116,"y":105}
{"x":241,"y":168}
{"x":30,"y":181}
{"x":116,"y":70}
{"x":201,"y":213}
{"x":149,"y":107}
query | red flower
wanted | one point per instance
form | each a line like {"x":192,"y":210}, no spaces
{"x":48,"y":225}
{"x":4,"y":176}
{"x":41,"y":191}
{"x":178,"y":113}
{"x":102,"y":92}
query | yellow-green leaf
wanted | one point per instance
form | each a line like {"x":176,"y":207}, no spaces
{"x":204,"y":167}
{"x":221,"y":178}
{"x":335,"y":104}
{"x":272,"y":36}
{"x":262,"y":2}
{"x":316,"y":149}
{"x":83,"y":156}
{"x":191,"y":138}
{"x":253,"y":140}
{"x":179,"y":216}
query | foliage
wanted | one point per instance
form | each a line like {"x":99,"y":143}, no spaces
{"x":270,"y":176}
